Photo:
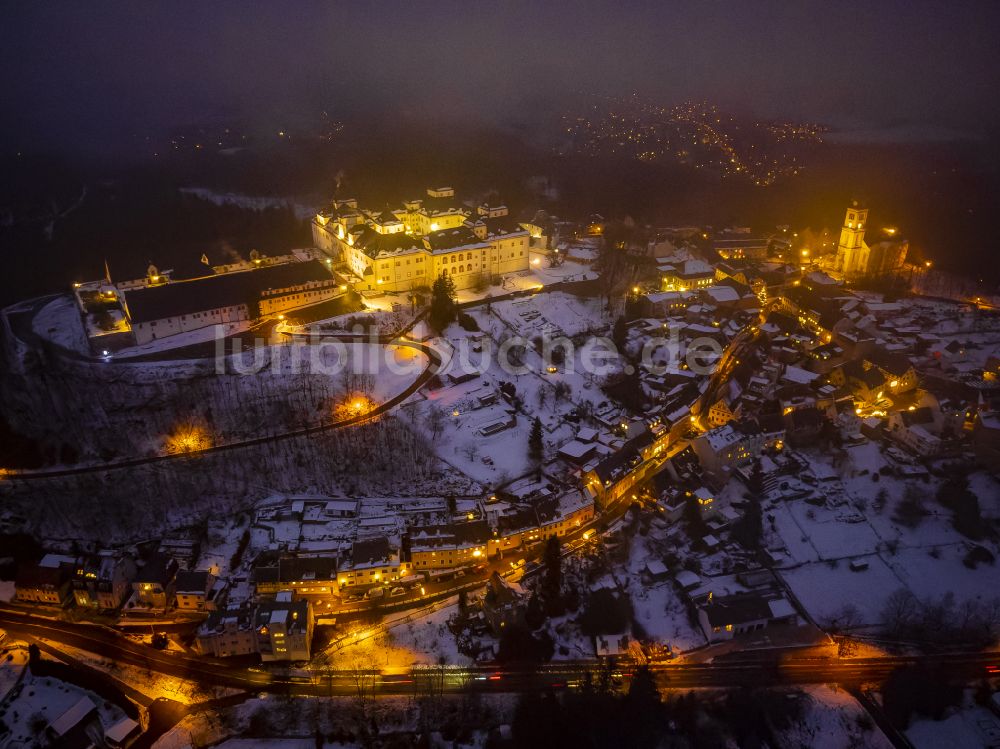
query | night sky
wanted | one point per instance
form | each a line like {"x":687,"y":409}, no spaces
{"x":87,"y":76}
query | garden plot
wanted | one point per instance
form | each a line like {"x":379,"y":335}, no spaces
{"x":825,"y":588}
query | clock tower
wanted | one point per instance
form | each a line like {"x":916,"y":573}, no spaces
{"x":852,"y":252}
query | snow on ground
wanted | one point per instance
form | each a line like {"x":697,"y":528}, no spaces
{"x":813,"y":533}
{"x":12,"y":665}
{"x":557,"y":313}
{"x":296,"y":720}
{"x":416,"y":638}
{"x":831,"y":721}
{"x":182,"y":340}
{"x":537,"y":276}
{"x":40,"y":700}
{"x":59,"y":322}
{"x":822,"y":540}
{"x":824,"y":590}
{"x":657,"y":607}
{"x":932,"y":577}
{"x":971,"y":727}
{"x":987,"y":488}
{"x":664,"y":617}
{"x":223,"y":537}
{"x":504,"y":454}
{"x":149,"y":683}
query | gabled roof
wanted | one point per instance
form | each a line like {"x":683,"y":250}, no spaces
{"x":896,"y":364}
{"x":192,"y":581}
{"x":372,"y":242}
{"x":371,"y":550}
{"x":446,"y":239}
{"x":223,"y":290}
{"x":159,"y":568}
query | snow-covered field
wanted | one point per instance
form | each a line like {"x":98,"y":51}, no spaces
{"x":407,"y":639}
{"x":491,"y":459}
{"x":59,"y":322}
{"x":833,"y":719}
{"x":821,"y":541}
{"x":972,"y":727}
{"x":12,"y":667}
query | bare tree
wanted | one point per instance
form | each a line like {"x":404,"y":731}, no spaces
{"x":900,"y":612}
{"x":435,"y":420}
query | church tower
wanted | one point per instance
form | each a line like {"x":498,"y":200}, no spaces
{"x":852,"y":252}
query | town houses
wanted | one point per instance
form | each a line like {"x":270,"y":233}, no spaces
{"x":763,"y":363}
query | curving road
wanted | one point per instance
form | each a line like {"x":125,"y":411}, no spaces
{"x":754,"y":670}
{"x":434,"y":364}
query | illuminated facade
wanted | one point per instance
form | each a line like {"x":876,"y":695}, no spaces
{"x":855,"y":258}
{"x":409,"y":247}
{"x":284,"y":629}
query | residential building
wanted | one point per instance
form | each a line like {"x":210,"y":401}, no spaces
{"x":153,"y":586}
{"x":734,"y":444}
{"x":915,"y":430}
{"x":284,"y":629}
{"x":103,"y":581}
{"x":304,"y":575}
{"x":373,"y":561}
{"x":193,"y":590}
{"x":896,"y":369}
{"x":503,"y":603}
{"x":47,"y":582}
{"x":227,"y":632}
{"x":450,"y":545}
{"x":722,"y":618}
{"x":686,"y":275}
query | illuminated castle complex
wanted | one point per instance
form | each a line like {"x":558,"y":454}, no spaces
{"x":410,"y":246}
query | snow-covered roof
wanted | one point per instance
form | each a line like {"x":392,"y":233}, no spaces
{"x":687,"y":579}
{"x":799,"y":375}
{"x":722,"y":294}
{"x":656,"y":567}
{"x":69,"y":719}
{"x":780,"y":608}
